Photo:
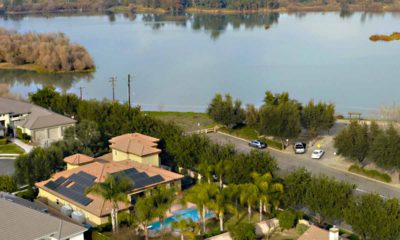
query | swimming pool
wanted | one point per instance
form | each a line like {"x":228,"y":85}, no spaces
{"x":188,"y":213}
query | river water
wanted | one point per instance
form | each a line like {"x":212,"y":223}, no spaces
{"x":180,"y":62}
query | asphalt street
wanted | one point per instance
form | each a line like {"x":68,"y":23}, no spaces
{"x":289,"y":162}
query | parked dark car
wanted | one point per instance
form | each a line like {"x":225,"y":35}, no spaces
{"x":257,"y":144}
{"x":299,"y":147}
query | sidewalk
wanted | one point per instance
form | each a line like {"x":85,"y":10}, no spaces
{"x":27,"y":148}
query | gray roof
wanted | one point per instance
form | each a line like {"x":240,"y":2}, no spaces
{"x":37,"y":118}
{"x":23,"y":202}
{"x":20,"y":223}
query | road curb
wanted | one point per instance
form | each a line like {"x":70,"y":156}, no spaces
{"x":365,"y":177}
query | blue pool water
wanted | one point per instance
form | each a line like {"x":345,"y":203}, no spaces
{"x":189,"y":213}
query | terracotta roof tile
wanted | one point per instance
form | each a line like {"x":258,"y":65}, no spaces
{"x":315,"y":233}
{"x":135,"y":143}
{"x":78,"y":159}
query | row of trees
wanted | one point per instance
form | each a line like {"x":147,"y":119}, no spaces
{"x":360,"y":141}
{"x":279,"y":116}
{"x":370,"y":216}
{"x":51,"y":52}
{"x":101,"y":120}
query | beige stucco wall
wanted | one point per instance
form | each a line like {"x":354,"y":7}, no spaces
{"x":89,"y":217}
{"x":70,"y":166}
{"x":149,"y":159}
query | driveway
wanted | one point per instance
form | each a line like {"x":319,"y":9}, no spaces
{"x":288,"y":162}
{"x":27,"y":148}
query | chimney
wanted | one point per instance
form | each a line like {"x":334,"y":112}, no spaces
{"x":334,"y":233}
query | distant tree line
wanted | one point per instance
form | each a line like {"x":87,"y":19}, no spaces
{"x":179,"y":5}
{"x":279,"y":116}
{"x":50,"y":52}
{"x":360,"y":141}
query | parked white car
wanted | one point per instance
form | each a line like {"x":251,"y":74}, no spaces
{"x":299,"y":148}
{"x":317,"y":154}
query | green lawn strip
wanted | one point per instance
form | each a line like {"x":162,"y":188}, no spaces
{"x":188,"y":121}
{"x":11,"y":148}
{"x":370,"y":173}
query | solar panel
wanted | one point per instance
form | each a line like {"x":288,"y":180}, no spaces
{"x":82,"y":179}
{"x":59,"y":180}
{"x":86,"y":175}
{"x":51,"y":185}
{"x":148,"y":181}
{"x":74,"y":195}
{"x":78,"y":188}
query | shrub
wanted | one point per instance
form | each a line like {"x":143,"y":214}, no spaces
{"x":370,"y":173}
{"x":29,"y":194}
{"x":7,"y":184}
{"x":301,"y":228}
{"x":286,"y":219}
{"x":98,"y":236}
{"x":243,"y":231}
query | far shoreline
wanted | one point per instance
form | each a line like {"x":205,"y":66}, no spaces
{"x":37,"y":69}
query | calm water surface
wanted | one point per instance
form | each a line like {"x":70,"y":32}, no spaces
{"x":179,"y":63}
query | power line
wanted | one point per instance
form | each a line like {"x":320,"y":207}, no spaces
{"x":129,"y":91}
{"x":80,"y":92}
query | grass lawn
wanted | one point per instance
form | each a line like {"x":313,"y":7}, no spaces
{"x":11,"y":148}
{"x":188,"y":121}
{"x":290,"y":234}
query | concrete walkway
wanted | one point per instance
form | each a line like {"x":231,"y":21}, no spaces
{"x":27,"y":148}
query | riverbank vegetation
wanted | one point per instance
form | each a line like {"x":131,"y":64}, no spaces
{"x":386,"y":38}
{"x":51,"y":53}
{"x":198,"y":6}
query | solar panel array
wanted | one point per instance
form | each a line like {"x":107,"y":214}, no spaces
{"x":81,"y":181}
{"x":140,"y":179}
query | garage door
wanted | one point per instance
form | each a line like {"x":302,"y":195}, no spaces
{"x":40,"y":135}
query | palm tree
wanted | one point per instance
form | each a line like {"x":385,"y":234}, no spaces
{"x":144,"y":211}
{"x":201,"y":194}
{"x":248,"y":196}
{"x":221,"y":204}
{"x":221,"y":168}
{"x":163,"y":198}
{"x":206,"y":170}
{"x":186,"y":227}
{"x":114,"y":190}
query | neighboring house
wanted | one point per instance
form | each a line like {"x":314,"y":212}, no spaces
{"x":18,"y":222}
{"x":2,"y":130}
{"x":316,"y":233}
{"x":44,"y":126}
{"x":66,"y":189}
{"x":23,"y":202}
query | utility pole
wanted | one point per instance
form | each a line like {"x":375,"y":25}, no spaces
{"x":80,"y":91}
{"x":113,"y":80}
{"x":129,"y":91}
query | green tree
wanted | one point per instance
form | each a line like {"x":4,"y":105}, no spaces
{"x":248,"y":196}
{"x":85,"y":131}
{"x":266,"y":189}
{"x":144,"y":212}
{"x":286,"y":219}
{"x":296,"y":184}
{"x":226,"y":111}
{"x":372,"y":217}
{"x":385,"y":151}
{"x":44,"y":97}
{"x":243,"y":165}
{"x":186,"y":228}
{"x":243,"y":231}
{"x":163,"y":198}
{"x":221,"y":204}
{"x":201,"y":195}
{"x":7,"y":184}
{"x":113,"y":190}
{"x":328,"y":197}
{"x":280,"y":116}
{"x":353,"y":142}
{"x":316,"y":117}
{"x":252,"y":116}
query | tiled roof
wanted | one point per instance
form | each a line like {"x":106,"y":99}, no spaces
{"x":78,"y":159}
{"x":135,"y":143}
{"x":314,"y":233}
{"x":98,"y":206}
{"x":21,"y":223}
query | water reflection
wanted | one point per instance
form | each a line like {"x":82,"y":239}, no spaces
{"x":27,"y":78}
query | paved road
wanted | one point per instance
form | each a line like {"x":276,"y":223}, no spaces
{"x":289,"y":162}
{"x":6,"y":166}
